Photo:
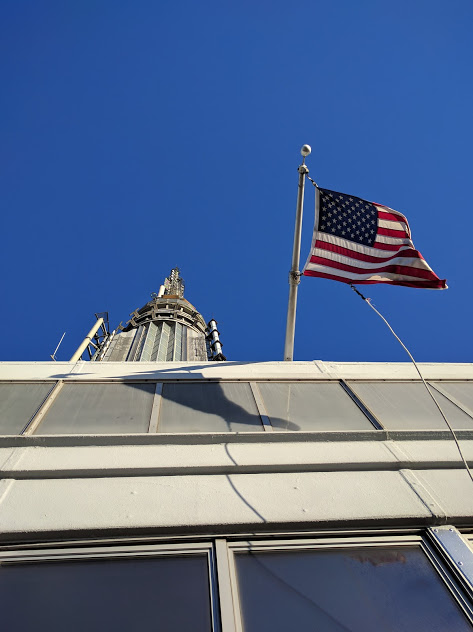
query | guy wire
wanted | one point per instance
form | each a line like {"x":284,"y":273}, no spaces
{"x":368,"y":300}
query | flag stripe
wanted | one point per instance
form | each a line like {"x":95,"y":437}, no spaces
{"x":394,"y":225}
{"x":359,"y":274}
{"x":413,"y":261}
{"x":387,"y":213}
{"x":388,"y":232}
{"x":380,"y":257}
{"x":352,"y":245}
{"x":390,"y":216}
{"x":411,"y":271}
{"x":384,"y":239}
{"x":391,"y":247}
{"x":432,"y":285}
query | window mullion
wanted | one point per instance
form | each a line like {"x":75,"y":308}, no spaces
{"x":46,"y":405}
{"x":154,"y":418}
{"x":364,"y":409}
{"x":226,"y":597}
{"x":454,"y":400}
{"x":261,"y":407}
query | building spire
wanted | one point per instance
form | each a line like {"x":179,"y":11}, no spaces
{"x":174,"y":283}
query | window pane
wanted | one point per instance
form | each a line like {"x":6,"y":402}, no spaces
{"x":298,"y":406}
{"x":222,"y":407}
{"x":100,"y":409}
{"x":356,"y":590}
{"x":18,"y":403}
{"x":407,"y":405}
{"x":461,"y":391}
{"x":165,"y":594}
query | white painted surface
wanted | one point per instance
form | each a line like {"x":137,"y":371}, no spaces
{"x":453,"y":490}
{"x":180,"y":487}
{"x":180,"y":502}
{"x":230,"y":370}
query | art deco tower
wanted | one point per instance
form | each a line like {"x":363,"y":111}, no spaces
{"x":168,"y":328}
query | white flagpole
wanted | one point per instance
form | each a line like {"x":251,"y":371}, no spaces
{"x":294,"y":274}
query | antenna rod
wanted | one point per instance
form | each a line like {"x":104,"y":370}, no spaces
{"x":53,"y":356}
{"x":294,"y":274}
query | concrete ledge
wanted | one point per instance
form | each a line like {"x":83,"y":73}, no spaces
{"x":209,"y":438}
{"x":180,"y":503}
{"x":34,"y":462}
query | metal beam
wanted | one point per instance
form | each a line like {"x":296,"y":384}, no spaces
{"x":87,"y":340}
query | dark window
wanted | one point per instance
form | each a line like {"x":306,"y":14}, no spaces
{"x":350,"y":590}
{"x":165,"y":594}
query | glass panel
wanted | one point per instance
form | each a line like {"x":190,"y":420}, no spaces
{"x":163,"y":343}
{"x":99,"y":409}
{"x":170,"y":349}
{"x":461,"y":391}
{"x":165,"y":594}
{"x":157,"y":340}
{"x":354,"y":590}
{"x":184,"y":344}
{"x":181,"y":342}
{"x":18,"y":403}
{"x":222,"y":407}
{"x":149,"y":343}
{"x":407,"y":405}
{"x":322,"y":406}
{"x":137,"y":345}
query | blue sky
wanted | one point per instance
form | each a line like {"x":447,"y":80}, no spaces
{"x":137,"y":136}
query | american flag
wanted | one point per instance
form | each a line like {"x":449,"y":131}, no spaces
{"x":361,"y":242}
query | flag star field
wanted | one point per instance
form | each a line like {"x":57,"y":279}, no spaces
{"x":348,"y":217}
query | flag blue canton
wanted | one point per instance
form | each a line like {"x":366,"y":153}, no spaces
{"x":347,"y":217}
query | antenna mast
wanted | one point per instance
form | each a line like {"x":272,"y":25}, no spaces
{"x":53,"y":355}
{"x":174,"y":284}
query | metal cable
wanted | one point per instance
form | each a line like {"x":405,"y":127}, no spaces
{"x":313,"y":181}
{"x":367,"y":300}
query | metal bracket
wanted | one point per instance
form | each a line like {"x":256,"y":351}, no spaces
{"x":451,"y":542}
{"x":294,"y":277}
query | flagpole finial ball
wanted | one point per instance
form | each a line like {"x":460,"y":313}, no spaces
{"x":305,"y":150}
